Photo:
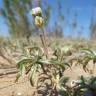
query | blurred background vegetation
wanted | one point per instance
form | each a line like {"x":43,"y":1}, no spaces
{"x":16,"y":15}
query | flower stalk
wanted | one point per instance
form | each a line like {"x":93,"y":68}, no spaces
{"x":39,"y":22}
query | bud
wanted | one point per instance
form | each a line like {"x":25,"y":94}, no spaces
{"x":39,"y":21}
{"x":36,"y":11}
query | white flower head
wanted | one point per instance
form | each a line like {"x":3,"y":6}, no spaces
{"x":36,"y":11}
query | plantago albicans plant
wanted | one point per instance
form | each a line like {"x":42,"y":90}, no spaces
{"x":90,"y":55}
{"x":42,"y":67}
{"x":85,"y":86}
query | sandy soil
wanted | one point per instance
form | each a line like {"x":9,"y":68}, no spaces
{"x":23,"y":88}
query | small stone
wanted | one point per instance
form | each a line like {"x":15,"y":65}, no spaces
{"x":19,"y":94}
